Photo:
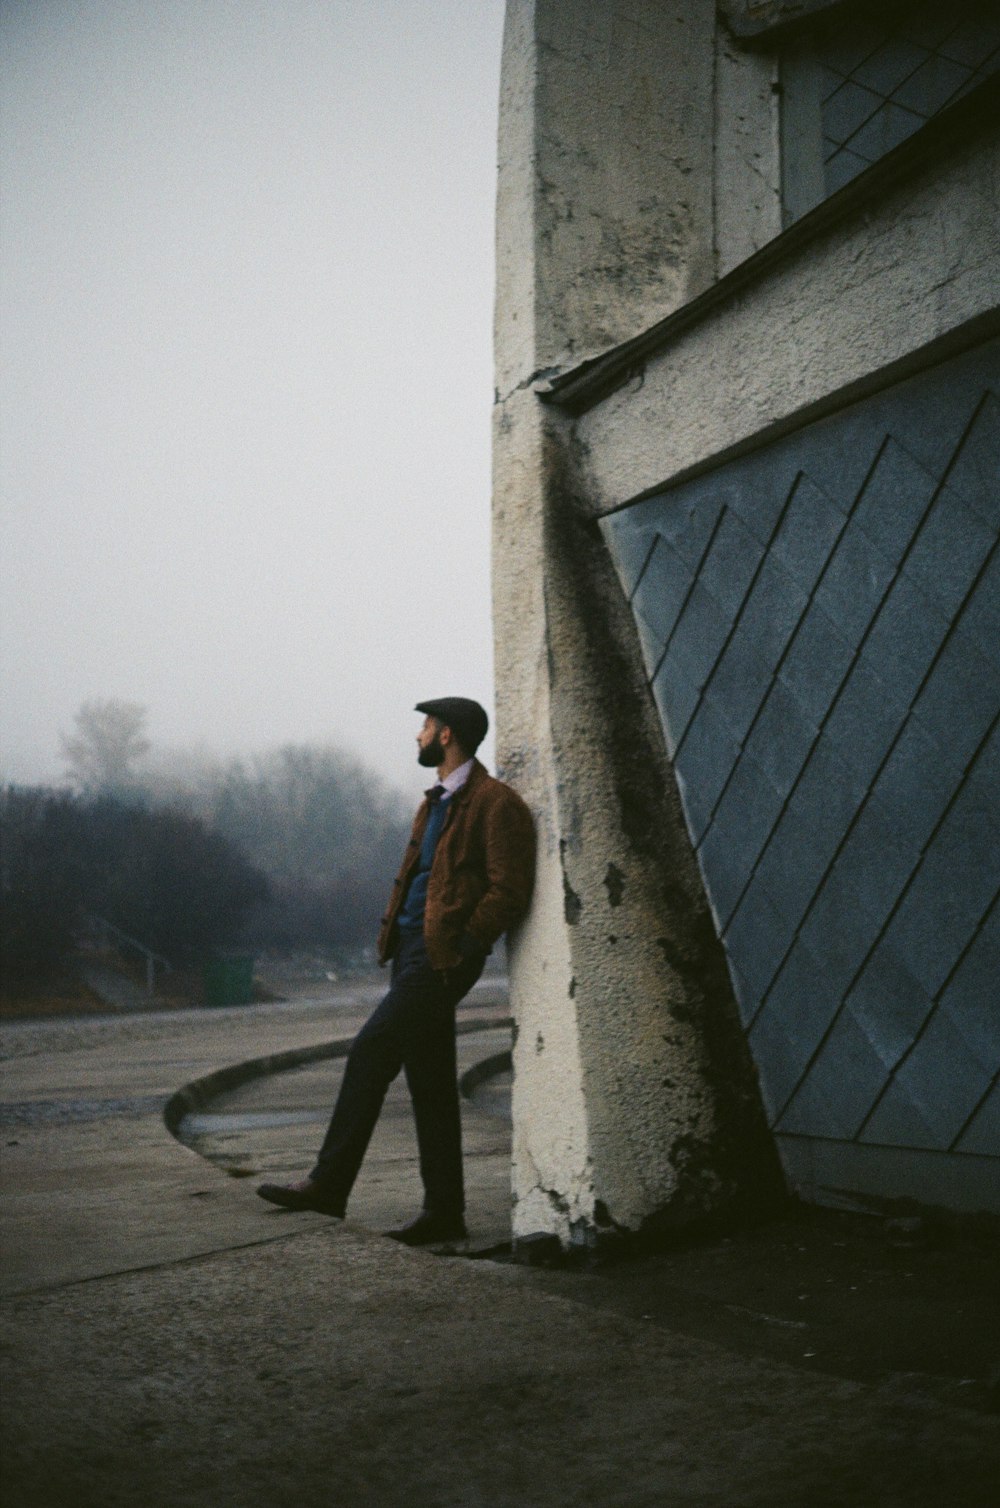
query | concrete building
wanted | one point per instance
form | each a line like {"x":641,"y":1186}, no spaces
{"x":747,"y":599}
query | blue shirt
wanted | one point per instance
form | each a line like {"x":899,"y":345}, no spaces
{"x":412,"y":914}
{"x":411,"y":917}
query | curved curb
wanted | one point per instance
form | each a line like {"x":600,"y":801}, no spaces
{"x":486,"y":1068}
{"x":200,"y":1092}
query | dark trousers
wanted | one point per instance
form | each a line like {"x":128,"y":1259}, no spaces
{"x":413,"y":1028}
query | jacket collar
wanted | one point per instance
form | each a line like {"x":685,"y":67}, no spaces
{"x":476,"y":775}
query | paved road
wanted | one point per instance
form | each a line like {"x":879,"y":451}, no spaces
{"x":168,"y":1338}
{"x":93,"y":1184}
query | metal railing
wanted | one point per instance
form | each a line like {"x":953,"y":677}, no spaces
{"x":107,"y":931}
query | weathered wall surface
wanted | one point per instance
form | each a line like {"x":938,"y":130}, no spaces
{"x":552,"y":1184}
{"x":639,"y":164}
{"x":819,"y":622}
{"x":877,"y":290}
{"x":623,"y":168}
{"x":746,"y":173}
{"x":633,"y":1096}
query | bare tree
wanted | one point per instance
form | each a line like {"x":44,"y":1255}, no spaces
{"x":109,"y":741}
{"x":324,"y":829}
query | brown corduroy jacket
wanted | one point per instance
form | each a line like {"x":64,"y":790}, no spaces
{"x":482,"y":875}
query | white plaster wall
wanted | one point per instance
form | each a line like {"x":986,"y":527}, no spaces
{"x":622,"y":152}
{"x":873,"y":291}
{"x":551,"y":1157}
{"x":638,"y":160}
{"x":747,"y":164}
{"x":641,"y":1055}
{"x":514,"y":307}
{"x":609,"y":1065}
{"x":606,"y":222}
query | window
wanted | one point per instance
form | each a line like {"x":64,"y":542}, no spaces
{"x":857,"y":84}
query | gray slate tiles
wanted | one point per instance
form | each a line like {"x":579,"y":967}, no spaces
{"x":821,"y":629}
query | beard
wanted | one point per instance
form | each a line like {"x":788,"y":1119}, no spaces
{"x":431,"y":755}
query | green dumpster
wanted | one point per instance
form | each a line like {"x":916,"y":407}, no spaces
{"x":229,"y":981}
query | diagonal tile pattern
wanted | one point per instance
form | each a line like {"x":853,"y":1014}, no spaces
{"x":885,"y":77}
{"x":820,"y":624}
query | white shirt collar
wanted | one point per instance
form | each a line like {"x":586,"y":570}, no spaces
{"x":455,"y":781}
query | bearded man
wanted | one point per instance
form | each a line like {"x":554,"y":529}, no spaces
{"x":466,"y":877}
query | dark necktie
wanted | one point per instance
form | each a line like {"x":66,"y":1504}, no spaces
{"x":434,"y":794}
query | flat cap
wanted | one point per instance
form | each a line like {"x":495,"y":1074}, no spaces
{"x":466,"y":719}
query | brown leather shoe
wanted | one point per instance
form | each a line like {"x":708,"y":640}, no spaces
{"x":430,"y":1230}
{"x":300,"y":1196}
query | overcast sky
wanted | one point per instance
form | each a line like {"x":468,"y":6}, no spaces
{"x":247,"y":282}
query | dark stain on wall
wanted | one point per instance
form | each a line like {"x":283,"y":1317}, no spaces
{"x":737,"y":1165}
{"x":572,"y":905}
{"x":614,"y":883}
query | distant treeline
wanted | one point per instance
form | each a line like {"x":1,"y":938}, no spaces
{"x":325,"y":830}
{"x":291,"y":848}
{"x":160,"y":876}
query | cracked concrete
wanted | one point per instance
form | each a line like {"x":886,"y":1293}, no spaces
{"x":166,"y":1337}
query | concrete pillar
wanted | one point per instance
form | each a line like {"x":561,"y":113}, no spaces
{"x":634,"y":1104}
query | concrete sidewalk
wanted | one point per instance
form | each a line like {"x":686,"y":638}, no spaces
{"x":93,"y":1184}
{"x":167,"y":1337}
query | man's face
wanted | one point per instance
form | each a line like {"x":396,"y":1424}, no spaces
{"x":430,"y":750}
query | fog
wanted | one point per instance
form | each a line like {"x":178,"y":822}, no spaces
{"x":247,"y":281}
